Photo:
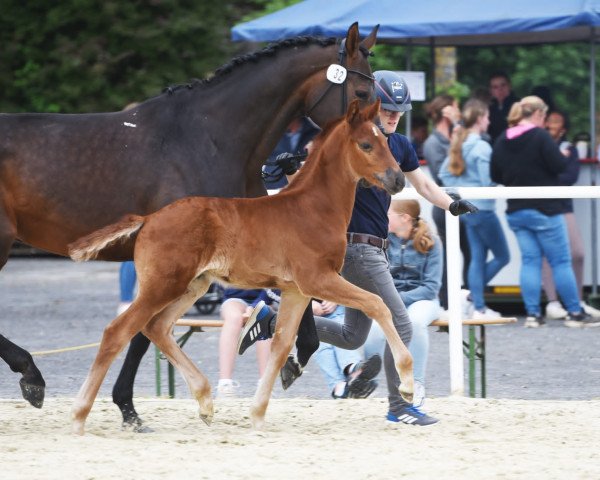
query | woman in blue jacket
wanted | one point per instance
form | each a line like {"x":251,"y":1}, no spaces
{"x":468,"y":165}
{"x":416,"y":262}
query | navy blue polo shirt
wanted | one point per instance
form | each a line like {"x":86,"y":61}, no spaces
{"x":371,"y":204}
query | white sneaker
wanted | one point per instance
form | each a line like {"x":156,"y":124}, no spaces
{"x":443,"y":315}
{"x":591,"y":311}
{"x":555,"y":311}
{"x":486,"y":314}
{"x":122,"y":307}
{"x":227,"y":388}
{"x":466,"y":304}
{"x":419,"y":394}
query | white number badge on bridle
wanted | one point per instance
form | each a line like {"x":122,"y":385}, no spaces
{"x":336,"y":73}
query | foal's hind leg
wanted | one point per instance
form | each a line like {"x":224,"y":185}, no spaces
{"x":159,"y":331}
{"x":335,"y":288}
{"x":290,"y":312}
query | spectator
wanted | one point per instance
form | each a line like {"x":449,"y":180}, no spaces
{"x":342,"y":367}
{"x":502,"y":101}
{"x":557,"y":125}
{"x":468,"y":165}
{"x":236,"y":303}
{"x":526,"y":155}
{"x":444,"y":113}
{"x":419,"y":132}
{"x":416,"y":265}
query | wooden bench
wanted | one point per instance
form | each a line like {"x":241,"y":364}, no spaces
{"x":473,"y":348}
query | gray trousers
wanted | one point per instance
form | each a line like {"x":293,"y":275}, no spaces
{"x":367,"y":267}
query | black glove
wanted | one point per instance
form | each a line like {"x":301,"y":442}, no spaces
{"x":288,"y":163}
{"x":458,"y":207}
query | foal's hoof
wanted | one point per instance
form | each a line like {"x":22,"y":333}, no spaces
{"x":207,"y":418}
{"x":407,"y":394}
{"x":34,"y":394}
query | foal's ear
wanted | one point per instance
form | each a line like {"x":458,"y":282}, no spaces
{"x":353,"y":112}
{"x":352,"y":40}
{"x":372,"y":111}
{"x":369,"y":42}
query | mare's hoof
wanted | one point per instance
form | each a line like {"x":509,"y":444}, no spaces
{"x":136,"y":425}
{"x":207,"y":418}
{"x":34,"y":394}
{"x":290,"y":372}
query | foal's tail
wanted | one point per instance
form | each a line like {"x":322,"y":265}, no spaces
{"x":88,"y":247}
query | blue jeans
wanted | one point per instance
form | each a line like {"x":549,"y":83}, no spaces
{"x":542,"y":235}
{"x":332,"y":360}
{"x":485,"y":234}
{"x":421,"y":314}
{"x":127,"y":279}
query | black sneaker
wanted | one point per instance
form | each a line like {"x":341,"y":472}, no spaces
{"x":360,"y":375}
{"x":256,"y":328}
{"x":411,"y":415}
{"x":581,"y":320}
{"x":534,"y":321}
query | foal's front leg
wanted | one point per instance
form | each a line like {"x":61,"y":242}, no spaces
{"x":290,"y":312}
{"x":335,"y":288}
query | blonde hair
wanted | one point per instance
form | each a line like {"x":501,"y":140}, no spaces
{"x":473,"y":110}
{"x":421,"y":235}
{"x":525,"y":109}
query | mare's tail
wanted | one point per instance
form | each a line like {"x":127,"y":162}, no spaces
{"x":88,"y":247}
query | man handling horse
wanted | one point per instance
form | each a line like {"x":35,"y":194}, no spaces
{"x":366,"y":264}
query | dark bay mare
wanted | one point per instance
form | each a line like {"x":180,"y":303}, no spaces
{"x":65,"y":175}
{"x":227,"y":240}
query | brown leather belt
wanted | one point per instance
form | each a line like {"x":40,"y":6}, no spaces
{"x":368,"y":239}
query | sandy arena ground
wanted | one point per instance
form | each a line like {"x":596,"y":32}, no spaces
{"x":489,"y":439}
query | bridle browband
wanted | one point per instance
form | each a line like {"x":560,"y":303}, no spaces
{"x":341,"y":60}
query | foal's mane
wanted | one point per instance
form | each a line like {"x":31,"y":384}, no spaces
{"x":267,"y":51}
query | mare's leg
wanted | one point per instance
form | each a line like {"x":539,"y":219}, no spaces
{"x":293,"y":304}
{"x":19,"y":360}
{"x":307,"y":341}
{"x":159,"y":331}
{"x":32,"y":383}
{"x":331,"y":286}
{"x":122,"y":393}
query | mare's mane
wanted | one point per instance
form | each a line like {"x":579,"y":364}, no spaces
{"x":267,"y":51}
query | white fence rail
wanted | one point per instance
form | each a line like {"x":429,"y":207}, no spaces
{"x":453,"y":245}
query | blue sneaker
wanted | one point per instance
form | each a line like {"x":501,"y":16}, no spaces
{"x":256,"y":328}
{"x":411,"y":416}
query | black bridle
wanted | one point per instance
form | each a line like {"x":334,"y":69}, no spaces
{"x":341,"y":60}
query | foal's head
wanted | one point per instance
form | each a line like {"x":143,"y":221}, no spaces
{"x":368,"y":155}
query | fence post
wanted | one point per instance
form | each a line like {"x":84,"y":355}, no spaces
{"x":454,"y":307}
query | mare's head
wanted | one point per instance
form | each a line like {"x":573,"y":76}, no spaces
{"x":345,"y":77}
{"x":369,"y":155}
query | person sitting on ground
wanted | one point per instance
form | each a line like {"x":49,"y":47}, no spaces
{"x":236,"y":303}
{"x":468,"y":165}
{"x":557,"y":125}
{"x":526,"y":155}
{"x":365,"y":262}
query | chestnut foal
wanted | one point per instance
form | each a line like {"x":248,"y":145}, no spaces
{"x":186,"y":245}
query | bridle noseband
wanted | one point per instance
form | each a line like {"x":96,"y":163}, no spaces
{"x":341,"y":60}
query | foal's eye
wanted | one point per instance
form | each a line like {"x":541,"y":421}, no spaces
{"x":362,"y":94}
{"x":367,"y":147}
